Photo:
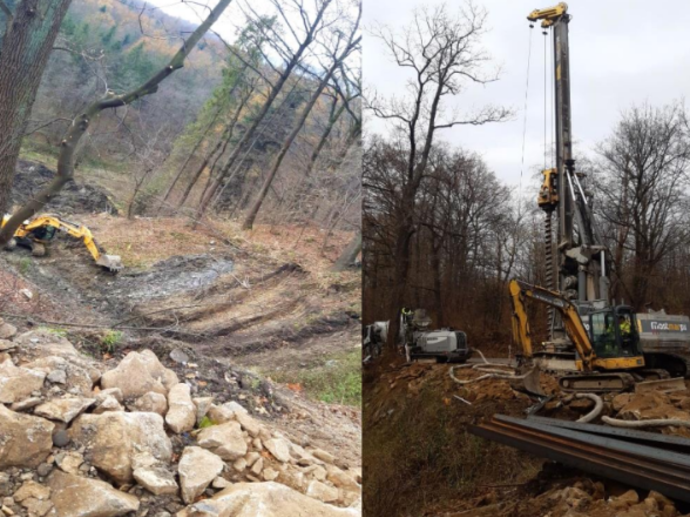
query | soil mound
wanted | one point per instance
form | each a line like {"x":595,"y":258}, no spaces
{"x":74,"y":198}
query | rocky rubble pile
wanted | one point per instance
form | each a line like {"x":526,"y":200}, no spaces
{"x":77,"y":441}
{"x":588,"y":499}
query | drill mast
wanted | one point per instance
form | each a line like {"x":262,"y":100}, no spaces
{"x":578,"y":270}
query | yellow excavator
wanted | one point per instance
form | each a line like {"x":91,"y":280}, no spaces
{"x":41,"y":229}
{"x":609,"y":356}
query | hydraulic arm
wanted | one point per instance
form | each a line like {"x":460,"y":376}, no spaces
{"x":608,"y":352}
{"x":520,"y":291}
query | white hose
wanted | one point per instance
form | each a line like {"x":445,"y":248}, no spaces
{"x":500,"y":375}
{"x":598,"y":406}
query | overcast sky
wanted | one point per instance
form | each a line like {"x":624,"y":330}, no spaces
{"x":622,"y":52}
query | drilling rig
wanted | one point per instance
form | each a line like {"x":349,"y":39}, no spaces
{"x":576,"y":263}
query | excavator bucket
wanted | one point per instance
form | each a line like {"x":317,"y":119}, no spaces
{"x":528,"y":381}
{"x":110,"y":262}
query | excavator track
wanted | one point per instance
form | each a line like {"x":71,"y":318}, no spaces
{"x":597,"y":382}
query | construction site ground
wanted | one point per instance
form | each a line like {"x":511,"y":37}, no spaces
{"x":420,"y":459}
{"x":263,"y":304}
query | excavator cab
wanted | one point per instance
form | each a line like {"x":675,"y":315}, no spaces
{"x":614,"y":333}
{"x":45,"y":233}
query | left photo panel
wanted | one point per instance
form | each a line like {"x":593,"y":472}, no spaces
{"x":180,"y":258}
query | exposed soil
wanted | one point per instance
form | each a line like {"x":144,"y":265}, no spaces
{"x":75,"y":197}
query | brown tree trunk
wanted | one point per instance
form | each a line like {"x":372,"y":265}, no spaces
{"x":24,"y":54}
{"x":254,"y":210}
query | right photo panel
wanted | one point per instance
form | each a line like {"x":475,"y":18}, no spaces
{"x":526,"y":241}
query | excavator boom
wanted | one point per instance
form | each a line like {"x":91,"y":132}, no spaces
{"x":575,"y":329}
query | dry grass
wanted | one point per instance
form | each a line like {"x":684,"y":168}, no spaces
{"x":420,"y":459}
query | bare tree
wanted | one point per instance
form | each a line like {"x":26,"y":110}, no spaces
{"x":80,"y":125}
{"x":442,"y":55}
{"x":349,"y":254}
{"x":642,"y":190}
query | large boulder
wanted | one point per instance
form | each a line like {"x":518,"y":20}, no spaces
{"x":181,"y":415}
{"x":76,"y":496}
{"x":138,"y":373}
{"x":25,"y":441}
{"x":18,"y":383}
{"x":226,"y":440}
{"x":197,"y":468}
{"x":112,"y":439}
{"x":266,"y":500}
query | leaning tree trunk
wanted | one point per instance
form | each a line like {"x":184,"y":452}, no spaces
{"x":349,"y":254}
{"x":65,"y":169}
{"x":26,"y":45}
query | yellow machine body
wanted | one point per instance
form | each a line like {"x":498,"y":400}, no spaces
{"x":76,"y":230}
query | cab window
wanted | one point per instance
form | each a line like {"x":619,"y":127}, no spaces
{"x":603,"y":334}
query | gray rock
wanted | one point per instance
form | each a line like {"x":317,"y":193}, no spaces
{"x":65,"y":409}
{"x":226,"y":440}
{"x":179,"y":356}
{"x":268,"y":499}
{"x":112,"y":439}
{"x":151,"y":402}
{"x":138,"y":373}
{"x":57,"y":377}
{"x":156,"y":479}
{"x":279,"y":447}
{"x":61,"y":438}
{"x":18,"y":383}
